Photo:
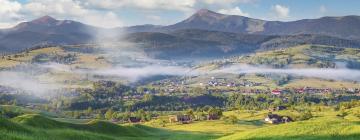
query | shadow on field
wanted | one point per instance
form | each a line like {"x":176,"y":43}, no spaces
{"x":309,"y":137}
{"x":251,"y":122}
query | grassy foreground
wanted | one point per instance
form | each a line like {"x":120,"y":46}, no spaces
{"x":36,"y":127}
{"x":325,"y":125}
{"x":316,"y":129}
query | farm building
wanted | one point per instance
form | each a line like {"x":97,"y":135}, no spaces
{"x":213,"y":117}
{"x":277,"y":108}
{"x":134,"y":120}
{"x":180,"y":118}
{"x":276,"y":92}
{"x":276,"y":119}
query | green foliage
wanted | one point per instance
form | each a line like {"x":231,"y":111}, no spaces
{"x":232,"y":119}
{"x":36,"y":127}
{"x":318,"y":129}
{"x":109,"y":114}
{"x":305,"y":115}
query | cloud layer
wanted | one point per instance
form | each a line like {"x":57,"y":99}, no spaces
{"x":106,"y":13}
{"x":234,"y":11}
{"x":281,"y":12}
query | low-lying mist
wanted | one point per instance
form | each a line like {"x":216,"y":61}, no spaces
{"x":27,"y":83}
{"x":323,"y":73}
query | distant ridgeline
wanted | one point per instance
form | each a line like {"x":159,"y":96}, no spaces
{"x":205,"y":34}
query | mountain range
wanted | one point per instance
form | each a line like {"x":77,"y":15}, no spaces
{"x":205,"y":33}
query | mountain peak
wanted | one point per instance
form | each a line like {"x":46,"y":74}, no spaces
{"x":207,"y":12}
{"x":205,"y":15}
{"x":45,"y":20}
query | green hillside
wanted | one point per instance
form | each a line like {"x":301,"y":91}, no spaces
{"x":319,"y":128}
{"x":37,"y":127}
{"x":304,"y":56}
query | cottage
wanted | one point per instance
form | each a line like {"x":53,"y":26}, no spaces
{"x":276,"y":92}
{"x":134,"y":120}
{"x":277,"y":108}
{"x":180,"y":118}
{"x":276,"y":119}
{"x":213,"y":117}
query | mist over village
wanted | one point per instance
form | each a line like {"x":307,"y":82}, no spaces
{"x":175,"y":70}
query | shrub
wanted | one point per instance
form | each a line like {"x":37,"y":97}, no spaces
{"x":230,"y":119}
{"x":305,"y":115}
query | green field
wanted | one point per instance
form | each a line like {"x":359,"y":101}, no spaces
{"x":37,"y":127}
{"x":324,"y":125}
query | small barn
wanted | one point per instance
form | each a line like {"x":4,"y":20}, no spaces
{"x":276,"y":119}
{"x":213,"y":117}
{"x":180,"y":118}
{"x":134,"y":120}
{"x":276,"y":92}
{"x":278,"y":108}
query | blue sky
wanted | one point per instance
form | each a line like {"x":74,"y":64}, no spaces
{"x":111,"y":13}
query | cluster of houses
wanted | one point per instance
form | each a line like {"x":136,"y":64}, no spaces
{"x":133,"y":97}
{"x":311,"y":90}
{"x":185,"y":118}
{"x":223,"y":82}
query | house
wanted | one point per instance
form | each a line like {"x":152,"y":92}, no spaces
{"x":180,"y":118}
{"x":276,"y":119}
{"x":134,"y":120}
{"x":276,"y":92}
{"x":277,"y":108}
{"x":213,"y":117}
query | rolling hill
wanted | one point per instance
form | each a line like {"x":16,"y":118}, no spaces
{"x":319,"y":128}
{"x":194,"y":43}
{"x":37,"y":127}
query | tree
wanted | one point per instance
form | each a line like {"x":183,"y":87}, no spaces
{"x":147,"y":97}
{"x":305,"y":115}
{"x":190,"y":112}
{"x":109,"y":113}
{"x":233,"y":119}
{"x":14,"y":102}
{"x":215,"y":111}
{"x":99,"y":116}
{"x":89,"y":110}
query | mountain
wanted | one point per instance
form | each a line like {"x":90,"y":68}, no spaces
{"x":45,"y":30}
{"x":49,"y":25}
{"x":195,"y":43}
{"x":204,"y":32}
{"x":208,"y":20}
{"x":347,"y":27}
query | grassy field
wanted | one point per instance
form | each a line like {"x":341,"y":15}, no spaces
{"x":37,"y":127}
{"x":318,"y":128}
{"x":325,"y":124}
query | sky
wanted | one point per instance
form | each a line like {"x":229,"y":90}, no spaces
{"x":116,"y":13}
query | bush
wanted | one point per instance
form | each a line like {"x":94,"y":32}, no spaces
{"x":342,"y":113}
{"x":232,"y":119}
{"x":305,"y":115}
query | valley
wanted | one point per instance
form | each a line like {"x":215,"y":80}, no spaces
{"x":211,"y":76}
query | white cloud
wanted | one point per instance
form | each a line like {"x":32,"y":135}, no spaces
{"x":223,"y":2}
{"x":234,"y":11}
{"x":322,"y":9}
{"x":9,"y":13}
{"x":69,"y":9}
{"x":180,"y":5}
{"x":106,"y":13}
{"x":281,"y":11}
{"x":153,"y":17}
